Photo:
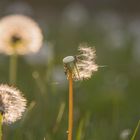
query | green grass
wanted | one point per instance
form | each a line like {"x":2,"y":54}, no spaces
{"x":103,"y":106}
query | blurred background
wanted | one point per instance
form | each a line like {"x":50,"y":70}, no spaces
{"x":106,"y":107}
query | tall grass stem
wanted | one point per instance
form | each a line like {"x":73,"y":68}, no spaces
{"x":13,"y":69}
{"x":135,"y":131}
{"x":80,"y":130}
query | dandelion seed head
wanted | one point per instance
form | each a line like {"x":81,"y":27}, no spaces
{"x":19,"y":34}
{"x":12,"y":104}
{"x":83,"y":65}
{"x":86,"y":62}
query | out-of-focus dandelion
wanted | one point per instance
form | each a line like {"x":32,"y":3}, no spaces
{"x":75,"y":14}
{"x":78,"y":67}
{"x":12,"y":105}
{"x":19,"y":35}
{"x":125,"y":134}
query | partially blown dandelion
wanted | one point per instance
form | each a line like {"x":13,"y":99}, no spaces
{"x":12,"y":104}
{"x":19,"y":34}
{"x":82,"y":65}
{"x":78,"y":67}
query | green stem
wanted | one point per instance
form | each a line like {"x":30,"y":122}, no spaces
{"x":135,"y":131}
{"x":1,"y":117}
{"x":80,"y":130}
{"x":13,"y":69}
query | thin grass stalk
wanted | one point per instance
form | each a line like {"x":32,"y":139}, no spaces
{"x":59,"y":116}
{"x":13,"y":69}
{"x":70,"y":123}
{"x":1,"y":117}
{"x":80,"y":130}
{"x":135,"y":131}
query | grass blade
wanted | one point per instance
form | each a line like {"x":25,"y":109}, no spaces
{"x":135,"y":131}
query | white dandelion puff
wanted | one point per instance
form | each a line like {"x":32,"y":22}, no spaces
{"x":86,"y":62}
{"x":19,"y":34}
{"x":82,"y":65}
{"x":12,"y":104}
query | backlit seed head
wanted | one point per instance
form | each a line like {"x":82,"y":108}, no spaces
{"x":19,"y":34}
{"x":12,"y":104}
{"x":82,"y":65}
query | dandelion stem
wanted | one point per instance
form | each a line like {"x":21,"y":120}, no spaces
{"x":13,"y":69}
{"x":135,"y":131}
{"x":1,"y":126}
{"x":70,"y":123}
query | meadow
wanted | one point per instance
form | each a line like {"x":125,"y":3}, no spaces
{"x":106,"y":107}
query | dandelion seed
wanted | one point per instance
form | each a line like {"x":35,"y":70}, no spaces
{"x":12,"y":104}
{"x":19,"y":35}
{"x":82,"y":65}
